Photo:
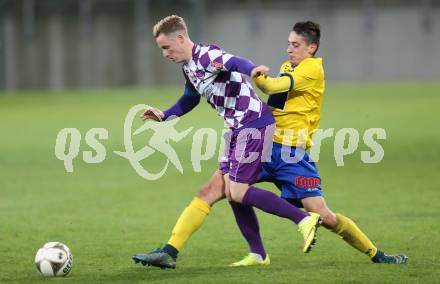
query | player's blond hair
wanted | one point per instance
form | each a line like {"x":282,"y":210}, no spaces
{"x":168,"y":25}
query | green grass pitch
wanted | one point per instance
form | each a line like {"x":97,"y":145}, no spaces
{"x":105,"y":212}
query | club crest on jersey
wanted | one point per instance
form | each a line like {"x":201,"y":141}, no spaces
{"x":200,"y":73}
{"x":288,"y":68}
{"x":217,"y":65}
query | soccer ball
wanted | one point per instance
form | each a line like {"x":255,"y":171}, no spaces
{"x":54,"y":259}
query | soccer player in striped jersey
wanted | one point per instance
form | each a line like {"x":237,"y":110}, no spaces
{"x":216,"y":75}
{"x":296,"y":97}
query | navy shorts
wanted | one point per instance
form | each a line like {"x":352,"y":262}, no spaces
{"x":295,"y":174}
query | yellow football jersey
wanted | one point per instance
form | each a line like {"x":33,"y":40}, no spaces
{"x":295,"y":98}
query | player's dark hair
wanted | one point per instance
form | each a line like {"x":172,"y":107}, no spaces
{"x":310,"y":31}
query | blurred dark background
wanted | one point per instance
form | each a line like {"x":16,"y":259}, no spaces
{"x":54,"y":44}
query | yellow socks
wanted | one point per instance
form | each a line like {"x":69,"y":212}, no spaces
{"x":350,"y":233}
{"x":189,"y":221}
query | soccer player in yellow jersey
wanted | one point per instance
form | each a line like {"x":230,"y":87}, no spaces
{"x":296,"y":98}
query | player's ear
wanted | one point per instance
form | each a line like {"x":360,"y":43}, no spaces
{"x":180,"y":38}
{"x":312,"y":48}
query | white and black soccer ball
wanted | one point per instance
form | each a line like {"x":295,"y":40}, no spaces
{"x":54,"y":259}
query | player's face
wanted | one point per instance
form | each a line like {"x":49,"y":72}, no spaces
{"x":172,"y":47}
{"x":298,"y":49}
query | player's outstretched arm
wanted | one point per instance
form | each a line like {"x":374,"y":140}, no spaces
{"x":153,"y":114}
{"x":259,"y":74}
{"x":260,"y":70}
{"x":239,"y":64}
{"x":224,"y":61}
{"x":189,"y":100}
{"x":270,"y":85}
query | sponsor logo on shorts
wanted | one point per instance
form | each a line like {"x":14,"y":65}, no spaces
{"x":307,"y":183}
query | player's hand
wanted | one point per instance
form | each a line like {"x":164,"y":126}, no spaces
{"x":152,"y":113}
{"x":260,"y":70}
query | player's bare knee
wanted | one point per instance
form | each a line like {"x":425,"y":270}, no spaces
{"x":328,"y":219}
{"x":204,"y":193}
{"x":236,"y":195}
{"x":210,"y":193}
{"x":216,"y":194}
{"x":228,"y":194}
